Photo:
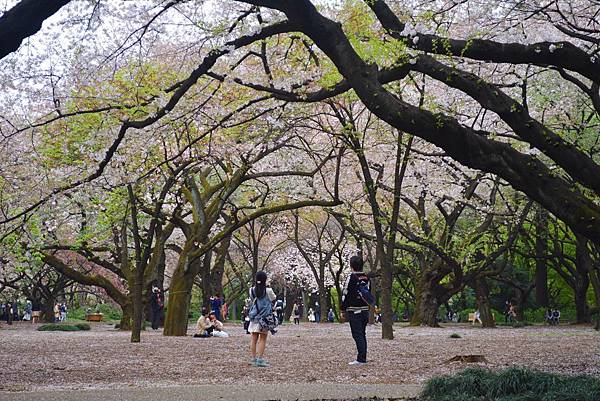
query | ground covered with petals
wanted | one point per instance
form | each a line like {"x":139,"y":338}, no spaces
{"x":319,"y":353}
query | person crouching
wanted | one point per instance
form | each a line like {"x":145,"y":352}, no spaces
{"x":217,"y":326}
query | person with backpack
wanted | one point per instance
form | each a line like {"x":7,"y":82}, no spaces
{"x":356,"y":299}
{"x":260,"y":313}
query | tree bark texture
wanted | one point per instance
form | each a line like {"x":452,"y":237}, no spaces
{"x":541,"y":251}
{"x":482,"y":293}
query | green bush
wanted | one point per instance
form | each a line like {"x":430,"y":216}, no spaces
{"x":455,"y":335}
{"x":83,"y":326}
{"x":513,"y":384}
{"x":109,"y":312}
{"x":76,"y":314}
{"x":535,"y":315}
{"x":64,"y":327}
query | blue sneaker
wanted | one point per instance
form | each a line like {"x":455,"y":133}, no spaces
{"x":261,"y":363}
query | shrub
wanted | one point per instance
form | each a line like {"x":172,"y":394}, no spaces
{"x":519,"y":324}
{"x":64,"y":327}
{"x":455,"y":335}
{"x":109,"y":312}
{"x":83,"y":326}
{"x":513,"y":384}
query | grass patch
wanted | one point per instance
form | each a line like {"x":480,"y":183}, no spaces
{"x":455,"y":335}
{"x":64,"y":327}
{"x":513,"y":384}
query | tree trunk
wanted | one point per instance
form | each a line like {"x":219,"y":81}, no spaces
{"x":47,"y":309}
{"x":323,"y":300}
{"x":207,"y":290}
{"x":176,"y":319}
{"x":138,"y":305}
{"x":126,"y":317}
{"x":595,"y":280}
{"x":427,"y":305}
{"x":304,"y":307}
{"x":387,"y":321}
{"x":584,"y":265}
{"x":541,"y":250}
{"x":482,"y":293}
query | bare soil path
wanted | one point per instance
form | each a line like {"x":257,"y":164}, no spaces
{"x":307,"y":354}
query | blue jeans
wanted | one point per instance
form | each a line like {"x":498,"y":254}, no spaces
{"x":358,"y":325}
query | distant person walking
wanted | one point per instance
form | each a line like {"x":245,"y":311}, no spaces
{"x":507,"y":309}
{"x":279,"y":305}
{"x":512,"y":313}
{"x":63,"y":312}
{"x":355,"y":309}
{"x":245,"y":317}
{"x":296,"y":313}
{"x":9,"y":313}
{"x":330,"y":316}
{"x":56,"y":312}
{"x":262,"y":298}
{"x":156,"y":307}
{"x":215,"y":305}
{"x":28,"y":310}
{"x":311,"y":315}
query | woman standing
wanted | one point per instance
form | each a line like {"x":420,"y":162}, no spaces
{"x":261,"y":297}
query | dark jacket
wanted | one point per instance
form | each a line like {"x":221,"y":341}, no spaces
{"x":351,"y":299}
{"x":156,"y":302}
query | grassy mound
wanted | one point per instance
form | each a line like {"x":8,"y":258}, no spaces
{"x":64,"y":327}
{"x":514,"y":384}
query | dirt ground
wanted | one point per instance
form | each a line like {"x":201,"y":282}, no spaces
{"x":309,"y":353}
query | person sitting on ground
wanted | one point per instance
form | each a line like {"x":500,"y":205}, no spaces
{"x":203,"y":327}
{"x":217,"y":326}
{"x":556,"y":316}
{"x":548,"y":316}
{"x":330,"y":316}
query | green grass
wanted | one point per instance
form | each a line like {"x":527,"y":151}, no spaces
{"x":64,"y":327}
{"x":513,"y":384}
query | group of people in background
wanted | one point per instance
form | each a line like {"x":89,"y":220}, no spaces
{"x":263,"y":311}
{"x":60,"y":312}
{"x":210,"y":323}
{"x":9,"y":311}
